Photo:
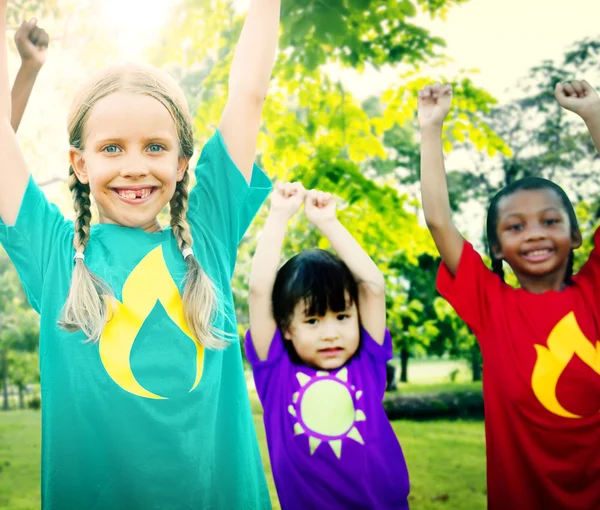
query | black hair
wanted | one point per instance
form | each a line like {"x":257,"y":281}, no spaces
{"x":526,"y":184}
{"x":317,"y":277}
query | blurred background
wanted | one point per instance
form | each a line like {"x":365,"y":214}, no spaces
{"x":341,"y":117}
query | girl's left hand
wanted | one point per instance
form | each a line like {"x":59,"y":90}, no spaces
{"x":578,"y":97}
{"x":319,"y":207}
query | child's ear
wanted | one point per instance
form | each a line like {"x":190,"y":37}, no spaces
{"x":182,"y":167}
{"x":576,"y":239}
{"x":287,"y":334}
{"x":497,"y":252}
{"x":78,"y":164}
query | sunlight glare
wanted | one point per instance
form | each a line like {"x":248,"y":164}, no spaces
{"x":135,"y":23}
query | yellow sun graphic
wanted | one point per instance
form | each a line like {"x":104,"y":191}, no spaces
{"x":325,"y":411}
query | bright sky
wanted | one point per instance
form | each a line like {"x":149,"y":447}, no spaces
{"x":135,"y":23}
{"x":502,"y":38}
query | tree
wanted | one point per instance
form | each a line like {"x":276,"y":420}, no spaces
{"x":19,"y":328}
{"x":315,"y":131}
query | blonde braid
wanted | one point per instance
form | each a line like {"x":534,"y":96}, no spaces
{"x":199,"y":294}
{"x":86,"y":306}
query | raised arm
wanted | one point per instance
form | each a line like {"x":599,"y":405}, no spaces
{"x":581,"y":98}
{"x":286,"y":199}
{"x":14,"y":174}
{"x":319,"y":208}
{"x":249,"y":82}
{"x":434,"y":104}
{"x":32,"y":43}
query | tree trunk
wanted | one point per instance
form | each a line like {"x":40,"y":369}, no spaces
{"x":21,"y":399}
{"x":476,"y":363}
{"x":5,"y":379}
{"x":404,"y":355}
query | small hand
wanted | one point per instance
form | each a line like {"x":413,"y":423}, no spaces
{"x":319,"y":207}
{"x":578,"y":97}
{"x":286,"y":199}
{"x":434,"y":104}
{"x":32,"y":43}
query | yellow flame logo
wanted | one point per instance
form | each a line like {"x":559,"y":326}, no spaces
{"x":149,"y":283}
{"x":565,"y":340}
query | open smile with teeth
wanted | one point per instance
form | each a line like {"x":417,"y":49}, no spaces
{"x":134,"y":194}
{"x":537,"y":253}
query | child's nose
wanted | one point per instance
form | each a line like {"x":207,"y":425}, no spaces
{"x":535,"y":232}
{"x":330,"y":331}
{"x":134,"y":167}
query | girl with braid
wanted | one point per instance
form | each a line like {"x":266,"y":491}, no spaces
{"x":540,"y":342}
{"x":144,"y":405}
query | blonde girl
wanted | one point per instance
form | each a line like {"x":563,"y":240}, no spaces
{"x":143,"y":404}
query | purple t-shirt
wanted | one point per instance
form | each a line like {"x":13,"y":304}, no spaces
{"x":330,"y":443}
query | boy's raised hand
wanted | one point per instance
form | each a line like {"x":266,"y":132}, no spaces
{"x":32,"y":43}
{"x":579,"y":97}
{"x":319,"y":207}
{"x":286,"y":199}
{"x":434,"y":104}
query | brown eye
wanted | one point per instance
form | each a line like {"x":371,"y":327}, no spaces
{"x":551,"y":221}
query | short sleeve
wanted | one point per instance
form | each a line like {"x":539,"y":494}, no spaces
{"x":372,"y":359}
{"x":30,"y":242}
{"x":590,"y":271}
{"x":469,"y":290}
{"x":266,"y":371}
{"x":381,"y":352}
{"x":222,"y":201}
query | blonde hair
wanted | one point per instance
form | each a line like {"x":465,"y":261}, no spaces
{"x":87,"y":307}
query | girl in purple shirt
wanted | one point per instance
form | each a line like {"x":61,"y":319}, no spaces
{"x":318,"y":345}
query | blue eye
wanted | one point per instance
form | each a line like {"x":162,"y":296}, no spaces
{"x":109,"y":148}
{"x":156,"y":145}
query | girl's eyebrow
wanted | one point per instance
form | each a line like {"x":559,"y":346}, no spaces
{"x":520,"y":215}
{"x":159,"y":137}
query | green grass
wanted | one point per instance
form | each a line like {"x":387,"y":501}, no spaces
{"x":20,"y":460}
{"x":435,"y":370}
{"x":449,"y":387}
{"x":446,"y":461}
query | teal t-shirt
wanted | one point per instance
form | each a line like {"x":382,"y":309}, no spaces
{"x":145,"y":418}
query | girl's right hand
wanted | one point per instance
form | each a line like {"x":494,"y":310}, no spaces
{"x":32,"y":43}
{"x":286,"y":199}
{"x":434,"y":104}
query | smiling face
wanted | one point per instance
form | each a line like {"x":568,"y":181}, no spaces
{"x":131,"y":159}
{"x":327,"y":341}
{"x":534,"y":234}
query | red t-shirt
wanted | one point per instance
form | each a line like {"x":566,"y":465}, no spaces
{"x":541,"y":383}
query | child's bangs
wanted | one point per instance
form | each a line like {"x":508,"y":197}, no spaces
{"x":327,"y":288}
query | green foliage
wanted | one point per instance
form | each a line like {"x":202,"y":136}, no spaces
{"x":18,"y":10}
{"x":34,"y":403}
{"x":19,"y":329}
{"x":316,"y":132}
{"x":460,"y":403}
{"x":545,"y":140}
{"x":357,"y":32}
